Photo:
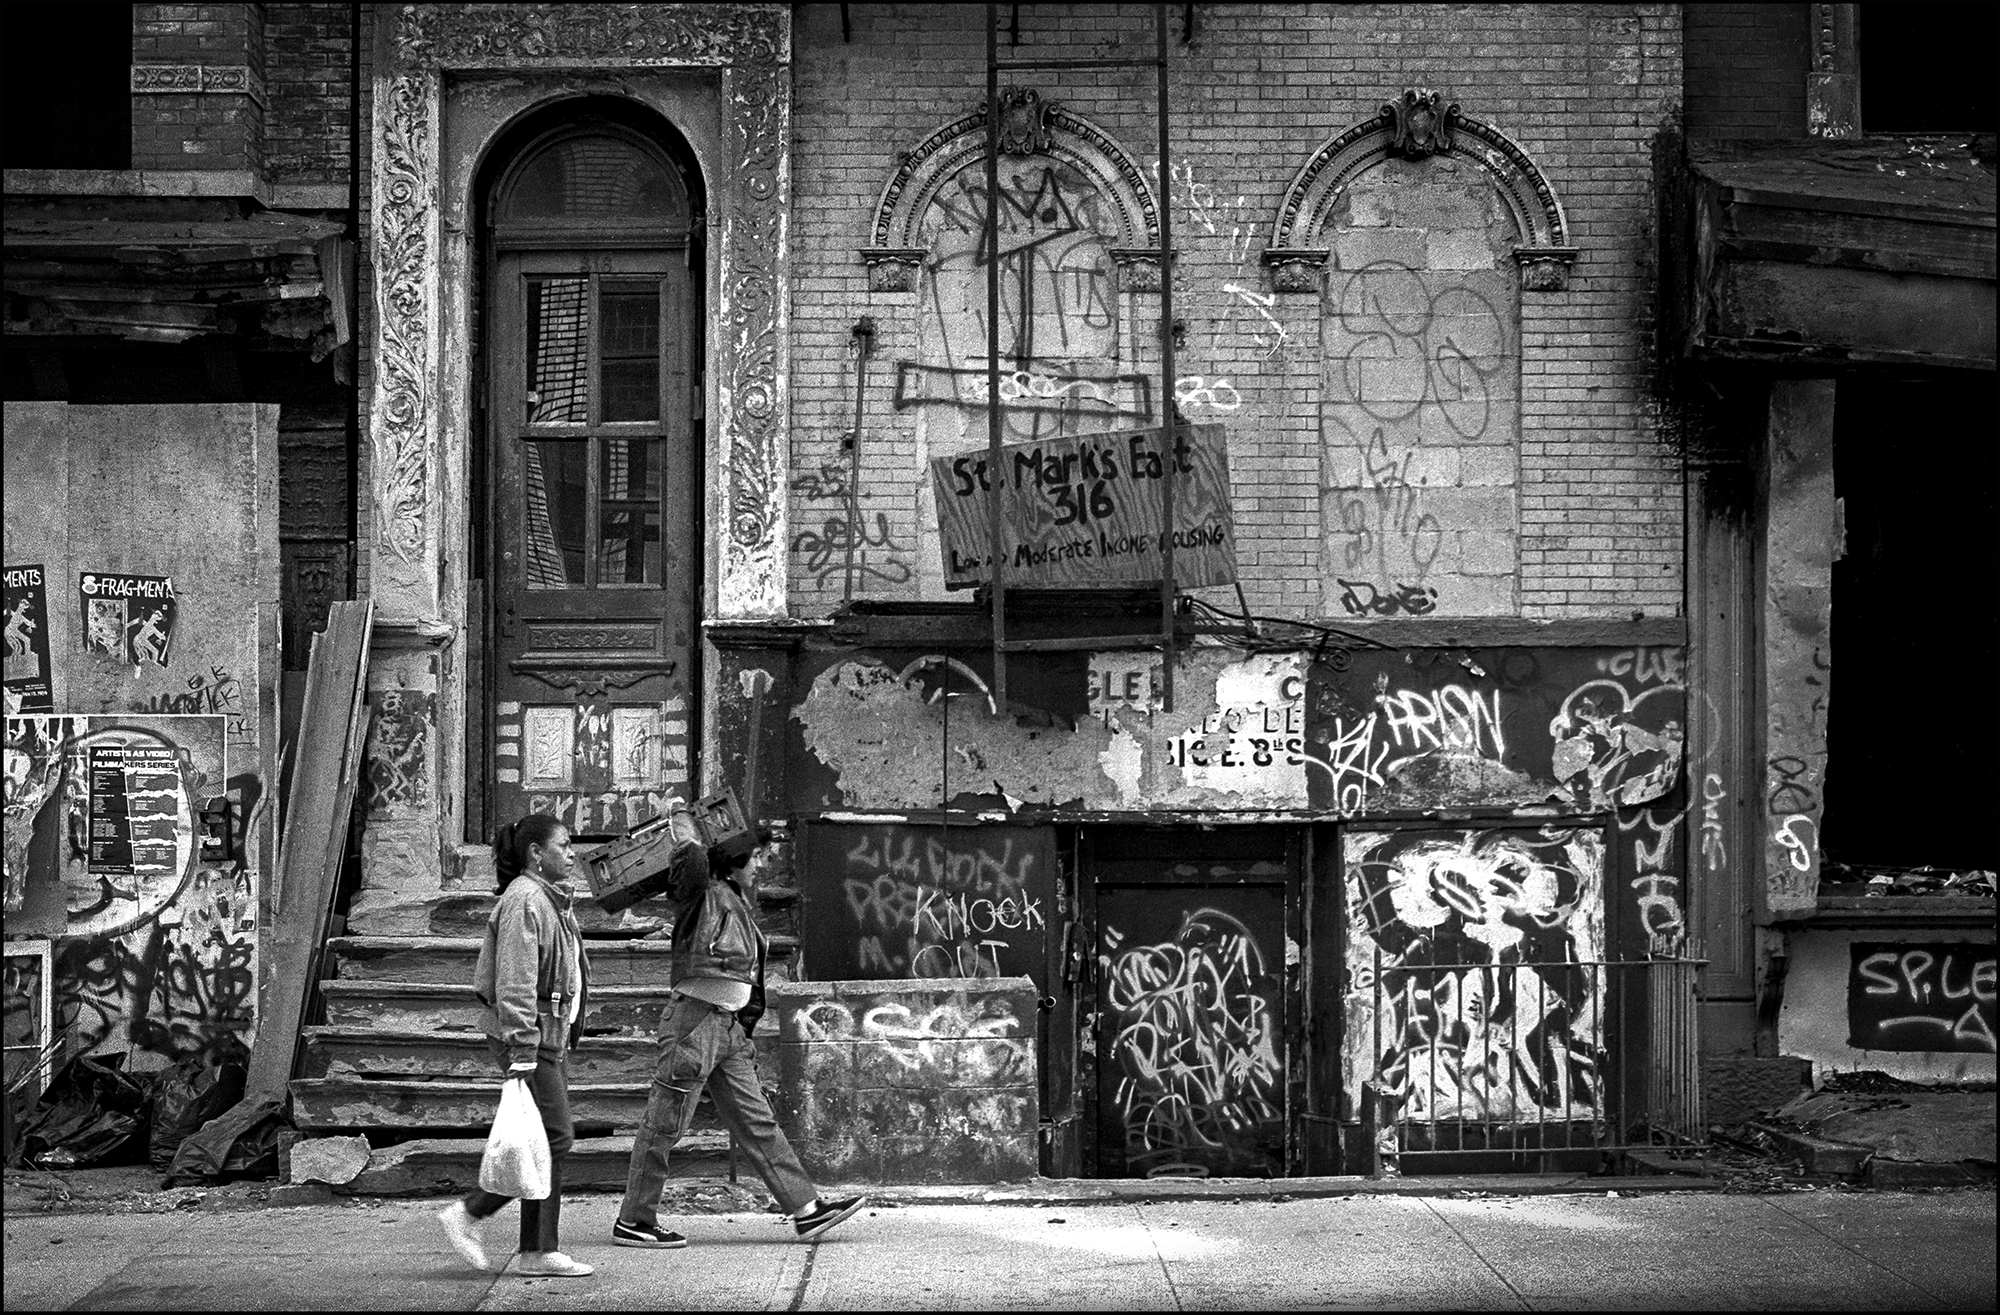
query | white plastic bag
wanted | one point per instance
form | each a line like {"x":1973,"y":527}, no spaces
{"x":516,"y":1162}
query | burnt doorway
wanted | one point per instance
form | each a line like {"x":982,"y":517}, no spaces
{"x":1196,"y":1004}
{"x":592,"y":475}
{"x":1911,"y":775}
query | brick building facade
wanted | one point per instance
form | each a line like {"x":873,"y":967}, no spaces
{"x":1461,"y":776}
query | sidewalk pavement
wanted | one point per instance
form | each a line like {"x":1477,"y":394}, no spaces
{"x":1580,"y":1250}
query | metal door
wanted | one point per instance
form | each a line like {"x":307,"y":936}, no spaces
{"x":1191,"y":1028}
{"x":593,"y":530}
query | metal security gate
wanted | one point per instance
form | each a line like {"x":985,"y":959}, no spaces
{"x":1545,"y":1063}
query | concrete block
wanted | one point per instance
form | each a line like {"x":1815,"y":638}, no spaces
{"x":1461,"y":249}
{"x":1904,"y":1174}
{"x":286,"y":1196}
{"x":1817,"y":1155}
{"x":1354,"y":248}
{"x":331,"y":1160}
{"x":1737,"y":1087}
{"x":1485,"y":552}
{"x":931,"y":1081}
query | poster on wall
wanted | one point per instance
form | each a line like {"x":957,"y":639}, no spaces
{"x":1087,"y":510}
{"x":27,"y":630}
{"x":128,"y":618}
{"x":135,"y":803}
{"x":26,"y":1022}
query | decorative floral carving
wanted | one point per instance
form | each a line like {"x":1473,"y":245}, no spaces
{"x":754,"y":246}
{"x":498,"y":34}
{"x":161,"y":79}
{"x":578,"y":637}
{"x":1422,"y":123}
{"x":403,"y":210}
{"x":231,"y":79}
{"x":1324,"y":179}
{"x":1023,"y":126}
{"x":1138,"y":268}
{"x":893,"y":269}
{"x":752,"y":42}
{"x":1119,"y":181}
{"x":1295,"y":270}
{"x":1545,"y":269}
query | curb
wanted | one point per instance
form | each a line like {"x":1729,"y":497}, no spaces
{"x":1101,"y":1191}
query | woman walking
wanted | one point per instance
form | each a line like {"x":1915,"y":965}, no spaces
{"x":534,"y":984}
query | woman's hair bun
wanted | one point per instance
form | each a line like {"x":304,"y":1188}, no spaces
{"x":506,"y":857}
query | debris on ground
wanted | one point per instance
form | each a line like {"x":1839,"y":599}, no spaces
{"x":1883,"y":880}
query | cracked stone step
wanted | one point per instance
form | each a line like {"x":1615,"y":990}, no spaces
{"x":464,"y":1103}
{"x":449,"y":960}
{"x":449,"y":1007}
{"x":381,"y":1053}
{"x":438,"y":1166}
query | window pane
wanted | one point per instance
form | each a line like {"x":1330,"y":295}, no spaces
{"x":593,"y":178}
{"x":629,"y":350}
{"x":558,"y":351}
{"x":558,"y":480}
{"x":629,"y":540}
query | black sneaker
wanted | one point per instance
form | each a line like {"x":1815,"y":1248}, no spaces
{"x":645,"y":1235}
{"x":814,"y":1222}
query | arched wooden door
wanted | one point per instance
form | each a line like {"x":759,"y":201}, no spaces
{"x":593,"y":464}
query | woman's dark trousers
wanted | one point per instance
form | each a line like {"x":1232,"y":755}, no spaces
{"x":540,"y":1220}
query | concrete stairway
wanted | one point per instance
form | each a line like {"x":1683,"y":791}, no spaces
{"x":401,"y":1052}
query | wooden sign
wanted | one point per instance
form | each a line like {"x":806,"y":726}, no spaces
{"x":1084,"y":510}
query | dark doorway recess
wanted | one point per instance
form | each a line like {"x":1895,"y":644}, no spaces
{"x":68,"y":86}
{"x":1913,"y":709}
{"x":1927,"y":68}
{"x":1197,"y":1000}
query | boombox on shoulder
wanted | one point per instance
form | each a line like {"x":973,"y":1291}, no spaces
{"x":640,"y":863}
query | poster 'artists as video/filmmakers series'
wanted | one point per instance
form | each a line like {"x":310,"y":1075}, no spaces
{"x":1086,"y":511}
{"x":135,"y":808}
{"x":27,"y":629}
{"x":128,"y":618}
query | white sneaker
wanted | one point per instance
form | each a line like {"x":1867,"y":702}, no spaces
{"x":551,"y":1264}
{"x":462,"y":1231}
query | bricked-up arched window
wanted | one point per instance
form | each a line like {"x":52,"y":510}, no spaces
{"x":593,"y":454}
{"x":67,"y":72}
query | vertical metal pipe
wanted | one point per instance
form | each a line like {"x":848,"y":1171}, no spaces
{"x":864,"y":338}
{"x":1170,"y":409}
{"x":996,"y":473}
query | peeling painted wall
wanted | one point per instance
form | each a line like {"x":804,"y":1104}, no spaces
{"x":160,"y":961}
{"x":1929,"y":974}
{"x":897,"y":901}
{"x":924,"y":732}
{"x":1802,"y":537}
{"x":903,"y":1082}
{"x":1382,"y":732}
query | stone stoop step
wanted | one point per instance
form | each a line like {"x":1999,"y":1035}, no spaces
{"x":401,"y":1047}
{"x":321,"y":1104}
{"x":449,"y":960}
{"x":441,"y":1006}
{"x":376,"y":1053}
{"x":439,"y":1166}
